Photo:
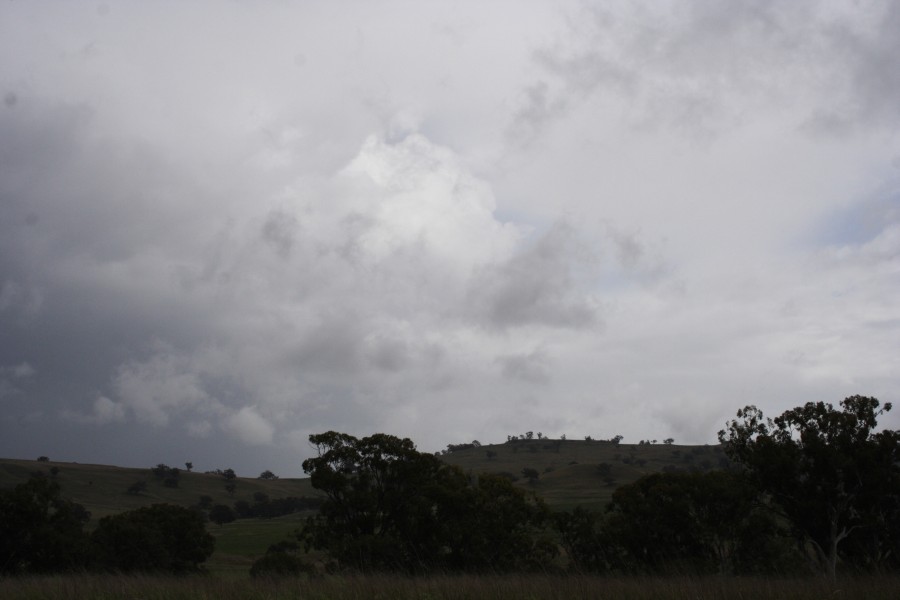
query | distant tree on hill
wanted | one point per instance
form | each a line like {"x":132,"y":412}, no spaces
{"x":530,"y":474}
{"x":616,"y":439}
{"x":669,"y":441}
{"x":229,"y":474}
{"x":268,"y":475}
{"x":189,"y":466}
{"x":43,"y":459}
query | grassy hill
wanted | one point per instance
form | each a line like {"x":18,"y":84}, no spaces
{"x":570,"y":470}
{"x":570,"y":474}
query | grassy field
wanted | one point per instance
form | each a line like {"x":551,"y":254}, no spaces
{"x":514,"y":587}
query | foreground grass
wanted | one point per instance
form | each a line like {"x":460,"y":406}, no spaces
{"x":515,"y":587}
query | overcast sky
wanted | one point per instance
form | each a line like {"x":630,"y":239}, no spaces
{"x":225,"y":226}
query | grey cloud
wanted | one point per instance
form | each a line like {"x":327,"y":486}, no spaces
{"x":531,"y":367}
{"x":279,"y":230}
{"x":539,"y":107}
{"x":703,"y":67}
{"x":538,"y":286}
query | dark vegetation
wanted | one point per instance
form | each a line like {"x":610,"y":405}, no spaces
{"x":815,"y":490}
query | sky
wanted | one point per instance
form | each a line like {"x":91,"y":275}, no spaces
{"x":226,"y":226}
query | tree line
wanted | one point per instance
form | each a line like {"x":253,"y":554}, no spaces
{"x":42,"y":532}
{"x":815,"y":489}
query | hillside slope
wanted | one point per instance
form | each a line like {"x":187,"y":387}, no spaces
{"x":570,"y":471}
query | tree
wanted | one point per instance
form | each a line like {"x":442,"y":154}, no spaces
{"x":530,"y":474}
{"x":390,"y":507}
{"x":669,"y":441}
{"x":40,"y":532}
{"x":43,"y":459}
{"x":268,"y":475}
{"x":828,"y":471}
{"x":188,"y":465}
{"x":701,"y":522}
{"x":157,"y":538}
{"x":229,"y":474}
{"x":378,"y":508}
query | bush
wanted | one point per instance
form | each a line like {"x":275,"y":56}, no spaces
{"x":136,"y":488}
{"x":281,"y":560}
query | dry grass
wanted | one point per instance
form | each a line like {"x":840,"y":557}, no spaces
{"x":373,"y":587}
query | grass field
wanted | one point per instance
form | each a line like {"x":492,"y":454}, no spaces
{"x":514,"y":587}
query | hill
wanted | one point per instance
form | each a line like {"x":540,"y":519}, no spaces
{"x":581,"y":472}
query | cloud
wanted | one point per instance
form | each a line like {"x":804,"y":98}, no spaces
{"x":165,"y":383}
{"x":250,"y":427}
{"x":538,"y":286}
{"x":531,"y":367}
{"x":105,"y":411}
{"x":705,"y":69}
{"x":595,"y":219}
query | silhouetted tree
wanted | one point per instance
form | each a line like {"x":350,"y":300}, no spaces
{"x":828,"y":470}
{"x":697,"y":522}
{"x":391,"y":507}
{"x":268,"y":475}
{"x":40,"y":532}
{"x":161,"y":538}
